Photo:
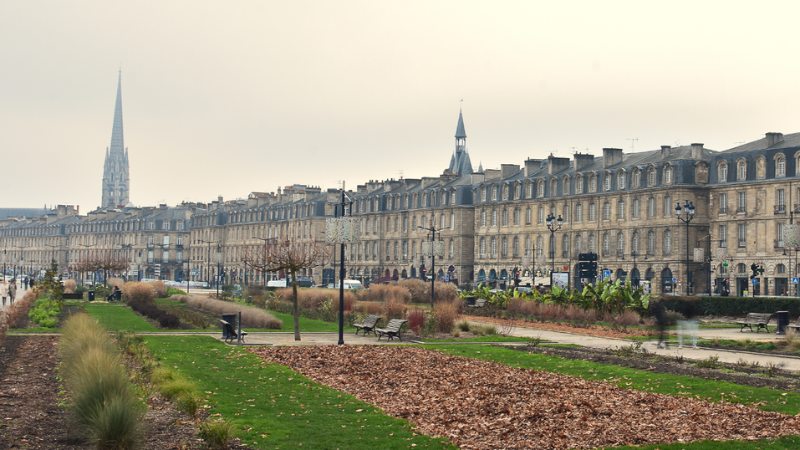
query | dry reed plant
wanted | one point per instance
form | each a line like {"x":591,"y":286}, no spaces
{"x":20,"y":308}
{"x":70,"y":286}
{"x":370,"y":308}
{"x":159,"y":288}
{"x":349,"y":302}
{"x":444,"y":292}
{"x":446,"y":316}
{"x":792,"y":339}
{"x":394,"y":309}
{"x":253,"y":317}
{"x":384,"y":293}
{"x":116,"y":282}
{"x":420,"y":291}
{"x":626,"y":319}
{"x":135,"y":291}
{"x":314,"y":298}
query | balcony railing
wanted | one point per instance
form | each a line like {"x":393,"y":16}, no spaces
{"x":780,"y":209}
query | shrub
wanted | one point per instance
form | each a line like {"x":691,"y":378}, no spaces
{"x":81,"y":289}
{"x":372,"y":308}
{"x":216,"y":433}
{"x":463,"y":325}
{"x":444,"y":292}
{"x":416,"y":320}
{"x":70,"y":286}
{"x":384,"y":293}
{"x":349,"y":302}
{"x":169,"y":321}
{"x":393,"y":309}
{"x":116,"y":282}
{"x":45,"y":311}
{"x":446,"y":315}
{"x":420,"y":291}
{"x":159,"y":288}
{"x":138,"y":292}
{"x":20,"y":308}
{"x":254,"y":317}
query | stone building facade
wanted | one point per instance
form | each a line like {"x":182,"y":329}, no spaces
{"x":621,"y":206}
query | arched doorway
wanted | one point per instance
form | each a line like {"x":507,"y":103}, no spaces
{"x":440,"y":275}
{"x":481,"y":275}
{"x":492,"y":275}
{"x":374,"y":274}
{"x":667,"y":286}
{"x":395,"y":274}
{"x":503,"y":274}
{"x":635,"y":277}
{"x":413,"y":272}
{"x":404,"y":274}
{"x":386,"y":273}
{"x":622,"y":276}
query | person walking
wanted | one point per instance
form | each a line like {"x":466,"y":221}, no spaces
{"x":4,"y":291}
{"x":660,"y":313}
{"x":25,"y":283}
{"x":12,"y":291}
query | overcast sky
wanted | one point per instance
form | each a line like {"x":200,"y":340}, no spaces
{"x":225,"y":98}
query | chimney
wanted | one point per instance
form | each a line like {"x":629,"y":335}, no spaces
{"x":582,"y":161}
{"x":697,"y":152}
{"x":556,"y":164}
{"x":612,"y":156}
{"x":507,"y":170}
{"x":774,"y":138}
{"x":532,"y":165}
{"x":665,"y":150}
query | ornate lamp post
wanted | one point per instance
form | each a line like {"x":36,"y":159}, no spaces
{"x":342,"y":230}
{"x":685,"y":215}
{"x":433,"y":249}
{"x":553,"y":225}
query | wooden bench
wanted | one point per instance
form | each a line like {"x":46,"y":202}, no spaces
{"x":479,"y":303}
{"x":231,"y":332}
{"x":760,"y":320}
{"x":392,"y":329}
{"x":368,"y":324}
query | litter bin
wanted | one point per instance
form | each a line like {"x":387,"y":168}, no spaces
{"x":117,"y":296}
{"x":783,"y":321}
{"x":231,"y":319}
{"x":91,"y":296}
{"x":470,"y":301}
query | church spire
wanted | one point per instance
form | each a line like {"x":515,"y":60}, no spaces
{"x":460,"y":163}
{"x":116,"y":188}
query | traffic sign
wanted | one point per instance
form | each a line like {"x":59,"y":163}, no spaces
{"x":674,"y":280}
{"x":451,"y":269}
{"x":795,"y":280}
{"x":424,"y":270}
{"x":755,"y":281}
{"x":606,"y":274}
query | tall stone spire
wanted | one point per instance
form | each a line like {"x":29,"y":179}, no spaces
{"x":116,"y":183}
{"x":459,"y":162}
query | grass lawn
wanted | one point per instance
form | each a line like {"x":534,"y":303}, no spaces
{"x":115,"y":316}
{"x":714,"y":391}
{"x":275,"y":407}
{"x":494,"y":338}
{"x":307,"y":325}
{"x":783,"y":443}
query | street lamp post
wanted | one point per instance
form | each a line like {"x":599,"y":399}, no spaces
{"x":432,"y":234}
{"x":553,"y":225}
{"x":685,"y":215}
{"x":263,"y":274}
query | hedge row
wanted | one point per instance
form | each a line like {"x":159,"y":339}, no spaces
{"x":732,"y":306}
{"x":165,"y":319}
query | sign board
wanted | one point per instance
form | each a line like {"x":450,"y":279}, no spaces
{"x":721,"y":252}
{"x":755,"y":281}
{"x":791,"y":236}
{"x":699,"y":255}
{"x":342,"y":230}
{"x":674,"y":280}
{"x":435,"y":248}
{"x":606,"y":274}
{"x":561,"y":279}
{"x":795,"y":280}
{"x":451,"y":269}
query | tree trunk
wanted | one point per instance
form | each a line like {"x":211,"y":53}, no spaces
{"x":295,"y":307}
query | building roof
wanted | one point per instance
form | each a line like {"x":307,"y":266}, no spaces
{"x":5,"y":213}
{"x":460,"y":131}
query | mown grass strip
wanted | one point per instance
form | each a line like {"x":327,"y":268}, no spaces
{"x":677,"y":385}
{"x":116,"y":317}
{"x":484,"y":339}
{"x":306,"y":324}
{"x":782,"y":443}
{"x":275,"y":407}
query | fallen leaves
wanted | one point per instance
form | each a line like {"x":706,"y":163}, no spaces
{"x":485,"y":405}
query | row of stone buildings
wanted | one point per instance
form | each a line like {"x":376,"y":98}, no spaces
{"x":621,"y":206}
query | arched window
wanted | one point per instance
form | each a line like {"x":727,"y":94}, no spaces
{"x":166,"y":225}
{"x":494,"y":193}
{"x":621,"y":210}
{"x":539,"y":246}
{"x":651,"y":243}
{"x":453,"y":197}
{"x":494,"y":218}
{"x":579,"y":184}
{"x":606,"y":244}
{"x":667,"y":206}
{"x":494,"y":247}
{"x":565,"y":185}
{"x":635,"y":242}
{"x":516,"y":216}
{"x":607,"y":182}
{"x":483,"y":193}
{"x":592,"y":243}
{"x":668,"y":175}
{"x":667,"y":242}
{"x":483,"y":248}
{"x":540,"y":189}
{"x":651,"y":177}
{"x":780,"y":166}
{"x":565,"y":246}
{"x":620,"y":244}
{"x":741,"y":170}
{"x":529,"y":189}
{"x":637,"y":178}
{"x":621,"y":181}
{"x":592,"y":183}
{"x":504,"y":249}
{"x":517,"y":191}
{"x":553,"y":187}
{"x":528,"y":245}
{"x":505,"y":192}
{"x":516,"y":246}
{"x":578,"y":244}
{"x":606,"y":211}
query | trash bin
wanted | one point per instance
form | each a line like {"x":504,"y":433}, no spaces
{"x":117,"y":296}
{"x":91,"y":296}
{"x":470,"y":301}
{"x":231,"y":319}
{"x":783,"y":321}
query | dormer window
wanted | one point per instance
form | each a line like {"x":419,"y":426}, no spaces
{"x":722,"y":172}
{"x":579,"y":185}
{"x":668,"y":175}
{"x":607,"y":182}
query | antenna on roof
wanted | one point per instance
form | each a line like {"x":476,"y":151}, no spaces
{"x":633,"y":141}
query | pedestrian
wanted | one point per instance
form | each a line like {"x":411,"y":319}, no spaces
{"x":26,"y":283}
{"x":12,"y":290}
{"x":4,"y":291}
{"x":688,"y":327}
{"x":660,"y":313}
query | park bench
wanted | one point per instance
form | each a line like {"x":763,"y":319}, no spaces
{"x":760,"y":320}
{"x":479,"y":303}
{"x":795,"y":326}
{"x":231,"y":333}
{"x":391,"y":330}
{"x":368,"y":324}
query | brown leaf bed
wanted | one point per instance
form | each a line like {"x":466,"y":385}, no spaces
{"x":485,"y":405}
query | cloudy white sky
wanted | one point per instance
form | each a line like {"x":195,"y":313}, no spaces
{"x":225,"y":98}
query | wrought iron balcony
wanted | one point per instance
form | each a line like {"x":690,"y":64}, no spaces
{"x":780,"y":209}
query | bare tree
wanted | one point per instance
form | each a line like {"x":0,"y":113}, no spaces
{"x":111,"y":262}
{"x":287,"y":255}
